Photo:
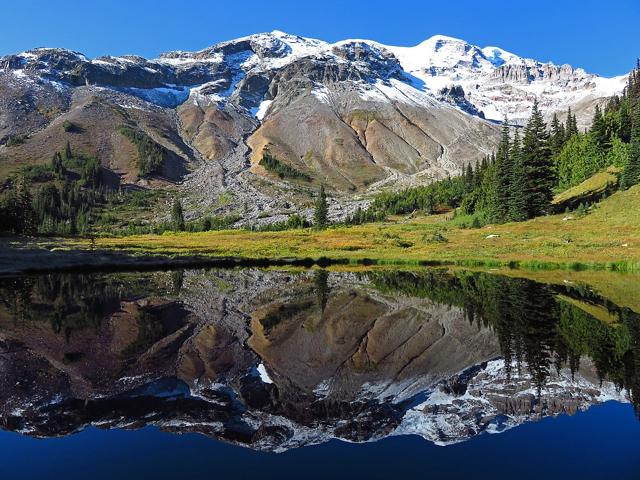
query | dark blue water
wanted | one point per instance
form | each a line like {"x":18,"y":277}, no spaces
{"x":601,"y":443}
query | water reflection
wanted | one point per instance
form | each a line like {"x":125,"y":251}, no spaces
{"x":277,"y":360}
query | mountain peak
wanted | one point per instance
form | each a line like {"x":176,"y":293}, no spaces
{"x":443,"y":38}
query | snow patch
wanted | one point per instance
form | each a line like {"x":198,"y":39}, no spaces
{"x":261,"y":110}
{"x":264,"y":376}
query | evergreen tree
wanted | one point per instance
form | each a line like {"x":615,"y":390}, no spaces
{"x":91,"y":174}
{"x":499,"y":210}
{"x":469,"y":179}
{"x":536,"y":158}
{"x":477,"y":175}
{"x":517,"y":197}
{"x":624,"y":115}
{"x":9,"y":212}
{"x":320,"y":216}
{"x":599,"y":130}
{"x":177,"y":216}
{"x":67,"y":151}
{"x":485,"y":164}
{"x":571,"y":128}
{"x":322,"y":288}
{"x":56,"y":165}
{"x":631,"y":173}
{"x":557,"y":135}
{"x":26,"y":218}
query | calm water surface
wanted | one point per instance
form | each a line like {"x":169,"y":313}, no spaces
{"x":210,"y":373}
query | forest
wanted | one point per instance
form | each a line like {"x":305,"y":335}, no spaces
{"x":519,"y":180}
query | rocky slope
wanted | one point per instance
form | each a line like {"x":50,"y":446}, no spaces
{"x":355,"y":115}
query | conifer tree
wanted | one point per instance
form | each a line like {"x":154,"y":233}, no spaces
{"x":469,"y":179}
{"x":571,"y":128}
{"x":320,"y":215}
{"x":177,"y":216}
{"x":557,"y":135}
{"x":631,"y":173}
{"x":477,"y":175}
{"x":536,"y":158}
{"x":26,"y":218}
{"x":624,"y":131}
{"x":485,"y":164}
{"x":517,"y":198}
{"x":9,"y":212}
{"x":503,"y":173}
{"x":67,"y":151}
{"x":599,"y":130}
{"x":57,"y":166}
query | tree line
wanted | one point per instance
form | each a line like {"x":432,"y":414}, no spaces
{"x":537,"y":331}
{"x":518,"y":181}
{"x":73,"y":186}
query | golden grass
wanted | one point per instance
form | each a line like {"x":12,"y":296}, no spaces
{"x":598,"y":183}
{"x":596,"y":311}
{"x":608,"y":237}
{"x":621,"y":289}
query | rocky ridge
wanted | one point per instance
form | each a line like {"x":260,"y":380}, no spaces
{"x":380,"y":116}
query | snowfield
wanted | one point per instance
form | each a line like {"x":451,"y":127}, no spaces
{"x":496,"y":83}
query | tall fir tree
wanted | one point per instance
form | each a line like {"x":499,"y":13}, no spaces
{"x":518,"y":187}
{"x":536,"y":157}
{"x":477,"y":174}
{"x":177,"y":215}
{"x":68,"y":154}
{"x":26,"y":216}
{"x":57,"y":166}
{"x":320,"y":216}
{"x":499,"y":211}
{"x":599,"y":130}
{"x":557,"y":135}
{"x":469,"y":180}
{"x":631,"y":173}
{"x":485,"y":163}
{"x":624,"y":115}
{"x":571,"y":127}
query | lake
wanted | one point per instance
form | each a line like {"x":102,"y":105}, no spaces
{"x":430,"y":373}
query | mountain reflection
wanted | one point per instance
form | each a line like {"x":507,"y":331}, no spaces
{"x":277,"y":360}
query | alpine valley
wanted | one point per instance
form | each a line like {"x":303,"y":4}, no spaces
{"x":353,"y":260}
{"x":355,"y":116}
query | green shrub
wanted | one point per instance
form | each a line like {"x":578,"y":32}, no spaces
{"x":436,"y":237}
{"x":13,"y":140}
{"x":70,"y":127}
{"x":272,"y":164}
{"x":151,"y":156}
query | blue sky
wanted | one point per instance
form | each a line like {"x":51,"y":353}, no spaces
{"x":600,"y":36}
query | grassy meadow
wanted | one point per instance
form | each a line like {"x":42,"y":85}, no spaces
{"x":606,"y":237}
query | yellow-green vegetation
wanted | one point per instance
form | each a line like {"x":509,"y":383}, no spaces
{"x":596,"y":311}
{"x":127,"y":211}
{"x":282,"y":170}
{"x":621,"y":289}
{"x":607,"y":237}
{"x":367,"y":115}
{"x":598,"y":184}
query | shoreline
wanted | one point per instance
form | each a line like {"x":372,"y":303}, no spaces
{"x":35,"y":258}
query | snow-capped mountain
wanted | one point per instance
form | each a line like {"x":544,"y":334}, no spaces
{"x":496,"y":82}
{"x":499,"y":83}
{"x":380,"y":115}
